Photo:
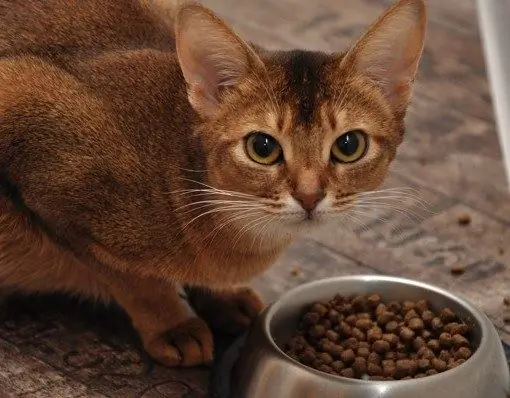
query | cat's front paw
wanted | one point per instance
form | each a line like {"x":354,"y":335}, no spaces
{"x":187,"y":344}
{"x":230,"y":312}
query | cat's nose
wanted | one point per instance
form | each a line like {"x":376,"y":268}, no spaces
{"x":309,"y":201}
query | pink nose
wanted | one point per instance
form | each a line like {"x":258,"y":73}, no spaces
{"x":309,"y":201}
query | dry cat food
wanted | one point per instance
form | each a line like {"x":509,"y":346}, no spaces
{"x":363,"y":337}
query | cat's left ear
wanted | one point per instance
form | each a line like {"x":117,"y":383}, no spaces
{"x":390,"y":51}
{"x":211,"y":55}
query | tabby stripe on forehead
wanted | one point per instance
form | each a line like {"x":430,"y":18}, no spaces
{"x":305,"y":81}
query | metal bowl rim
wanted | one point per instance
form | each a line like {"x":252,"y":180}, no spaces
{"x":479,"y":317}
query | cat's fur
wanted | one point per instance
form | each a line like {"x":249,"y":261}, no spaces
{"x":112,"y":143}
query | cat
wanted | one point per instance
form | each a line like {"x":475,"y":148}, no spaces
{"x":144,"y":146}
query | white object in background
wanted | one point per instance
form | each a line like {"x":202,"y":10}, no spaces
{"x":494,"y":19}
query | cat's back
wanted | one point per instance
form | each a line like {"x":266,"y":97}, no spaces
{"x":43,"y":27}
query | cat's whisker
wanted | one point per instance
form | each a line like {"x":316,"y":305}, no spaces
{"x":225,"y":208}
{"x":238,"y":216}
{"x":214,"y":188}
{"x":409,"y":215}
{"x":246,"y":228}
{"x":192,"y":170}
{"x":212,"y":211}
{"x":204,"y":192}
{"x":219,"y":202}
{"x":262,"y":231}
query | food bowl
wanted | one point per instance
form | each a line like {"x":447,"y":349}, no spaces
{"x":263,"y":370}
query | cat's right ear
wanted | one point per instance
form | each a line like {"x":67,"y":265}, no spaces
{"x":212,"y":57}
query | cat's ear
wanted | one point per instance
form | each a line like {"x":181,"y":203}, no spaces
{"x":390,"y":51}
{"x":212,"y":57}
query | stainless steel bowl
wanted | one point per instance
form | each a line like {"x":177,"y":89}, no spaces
{"x":263,"y":370}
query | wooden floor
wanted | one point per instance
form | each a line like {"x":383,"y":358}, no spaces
{"x":451,"y":157}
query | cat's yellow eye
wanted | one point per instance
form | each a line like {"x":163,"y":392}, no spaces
{"x":349,"y":147}
{"x":263,"y":149}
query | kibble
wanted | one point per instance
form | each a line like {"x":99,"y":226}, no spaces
{"x":366,"y":338}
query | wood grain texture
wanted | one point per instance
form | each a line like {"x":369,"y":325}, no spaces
{"x":55,"y":347}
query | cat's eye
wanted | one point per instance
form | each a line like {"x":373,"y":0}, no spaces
{"x":263,"y":149}
{"x":349,"y":147}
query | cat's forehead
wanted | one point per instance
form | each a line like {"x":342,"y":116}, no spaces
{"x":302,"y":82}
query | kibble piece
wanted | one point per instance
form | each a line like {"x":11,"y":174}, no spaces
{"x":447,"y":315}
{"x":426,"y":353}
{"x":325,"y":358}
{"x":456,"y":328}
{"x":344,"y":328}
{"x":348,"y":356}
{"x":374,"y":357}
{"x":320,"y":309}
{"x":381,"y":346}
{"x":402,"y":355}
{"x":408,"y":305}
{"x":351,"y":343}
{"x":423,"y":364}
{"x":434,"y":345}
{"x":332,"y":335}
{"x":325,"y":369}
{"x":391,"y":355}
{"x":385,"y":317}
{"x":394,"y":306}
{"x":406,"y":367}
{"x":360,"y":365}
{"x":445,"y":339}
{"x":427,"y":316}
{"x":377,"y":378}
{"x":374,"y":334}
{"x":462,"y":353}
{"x":421,"y":306}
{"x":444,"y":355}
{"x":389,"y":368}
{"x":464,"y":219}
{"x":406,"y":334}
{"x":358,"y":334}
{"x":308,"y":356}
{"x":436,"y":324}
{"x":401,"y":348}
{"x":419,"y":375}
{"x":348,"y":372}
{"x":364,"y":344}
{"x":317,"y":331}
{"x":336,"y":350}
{"x":439,"y":365}
{"x":337,"y":366}
{"x":364,"y":324}
{"x":419,"y":342}
{"x":381,"y":308}
{"x":416,"y":324}
{"x":363,"y":352}
{"x":374,"y":300}
{"x":410,"y":315}
{"x":373,"y":369}
{"x":351,"y":320}
{"x":333,"y":316}
{"x":311,"y":318}
{"x":431,"y":372}
{"x":391,"y":327}
{"x":459,"y":341}
{"x":327,"y":324}
{"x":390,"y":338}
{"x":426,"y":334}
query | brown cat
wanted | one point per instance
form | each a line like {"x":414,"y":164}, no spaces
{"x":144,"y":147}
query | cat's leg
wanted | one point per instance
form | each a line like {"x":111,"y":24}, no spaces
{"x":169,"y":333}
{"x":227,"y":311}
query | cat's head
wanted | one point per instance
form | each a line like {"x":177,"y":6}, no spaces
{"x":296,"y":136}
